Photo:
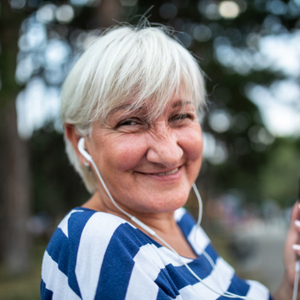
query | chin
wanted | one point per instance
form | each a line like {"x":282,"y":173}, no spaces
{"x":166,"y":204}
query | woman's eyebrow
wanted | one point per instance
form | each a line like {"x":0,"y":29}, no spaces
{"x":181,"y":103}
{"x":124,"y":107}
{"x":133,"y":107}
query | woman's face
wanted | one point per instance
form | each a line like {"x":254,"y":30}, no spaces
{"x":148,"y":166}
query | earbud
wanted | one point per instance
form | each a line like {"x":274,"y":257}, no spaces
{"x":82,"y":150}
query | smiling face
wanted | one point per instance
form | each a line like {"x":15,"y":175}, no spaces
{"x":148,"y":165}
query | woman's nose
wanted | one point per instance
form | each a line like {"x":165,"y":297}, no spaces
{"x":164,"y":148}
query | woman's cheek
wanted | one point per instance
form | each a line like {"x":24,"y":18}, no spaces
{"x":192,"y":144}
{"x":127,"y":153}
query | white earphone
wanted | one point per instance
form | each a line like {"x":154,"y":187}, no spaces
{"x":88,"y":157}
{"x":82,"y":150}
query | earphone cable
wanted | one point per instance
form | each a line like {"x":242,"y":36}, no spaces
{"x":209,"y":259}
{"x":153,"y":233}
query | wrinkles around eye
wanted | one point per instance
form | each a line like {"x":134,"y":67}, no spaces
{"x":182,"y":119}
{"x":131,"y":122}
{"x":132,"y":125}
{"x":137,"y":124}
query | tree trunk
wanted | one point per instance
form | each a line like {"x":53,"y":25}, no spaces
{"x":16,"y":200}
{"x":109,"y":13}
{"x":14,"y":160}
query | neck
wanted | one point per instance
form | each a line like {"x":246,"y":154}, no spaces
{"x":160,"y":222}
{"x":163,"y":224}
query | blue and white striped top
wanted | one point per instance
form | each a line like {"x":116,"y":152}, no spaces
{"x":96,"y":255}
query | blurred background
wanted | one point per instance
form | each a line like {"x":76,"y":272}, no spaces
{"x":249,"y":51}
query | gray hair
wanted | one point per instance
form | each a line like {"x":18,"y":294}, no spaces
{"x":126,"y":65}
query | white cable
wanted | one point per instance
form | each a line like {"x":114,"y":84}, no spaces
{"x":200,"y":205}
{"x":107,"y":191}
{"x":213,"y":265}
{"x":134,"y":219}
{"x":296,"y":281}
{"x":209,"y":259}
{"x":153,"y":233}
{"x":230,"y":295}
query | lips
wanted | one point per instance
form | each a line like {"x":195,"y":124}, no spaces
{"x":161,"y":173}
{"x":167,"y":173}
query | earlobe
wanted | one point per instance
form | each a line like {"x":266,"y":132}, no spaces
{"x":72,"y":135}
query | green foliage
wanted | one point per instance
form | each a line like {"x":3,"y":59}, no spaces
{"x":251,"y":167}
{"x":57,"y":188}
{"x":279,"y":177}
{"x":24,"y":287}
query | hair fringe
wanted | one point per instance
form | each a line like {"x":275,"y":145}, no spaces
{"x":127,"y":64}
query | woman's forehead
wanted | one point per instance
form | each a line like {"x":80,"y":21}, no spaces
{"x":149,"y":106}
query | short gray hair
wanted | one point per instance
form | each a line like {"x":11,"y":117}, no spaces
{"x":125,"y":65}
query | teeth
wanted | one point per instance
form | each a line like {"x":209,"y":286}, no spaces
{"x":168,"y":173}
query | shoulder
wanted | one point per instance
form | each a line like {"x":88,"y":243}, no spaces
{"x":90,"y":231}
{"x":80,"y":220}
{"x":85,"y":245}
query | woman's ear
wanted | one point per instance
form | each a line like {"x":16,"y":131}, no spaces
{"x":73,"y":136}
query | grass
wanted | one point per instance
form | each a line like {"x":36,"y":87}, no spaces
{"x":26,"y":287}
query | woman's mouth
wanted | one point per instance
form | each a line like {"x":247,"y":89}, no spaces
{"x":162,"y":173}
{"x":169,"y":176}
{"x":166,"y":173}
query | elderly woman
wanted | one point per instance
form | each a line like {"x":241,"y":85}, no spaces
{"x":129,"y":108}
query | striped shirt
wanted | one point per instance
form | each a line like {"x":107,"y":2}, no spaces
{"x":96,"y":255}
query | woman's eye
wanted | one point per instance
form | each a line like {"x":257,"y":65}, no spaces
{"x":183,"y":116}
{"x":127,"y":123}
{"x":130,"y":122}
{"x":180,"y":117}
